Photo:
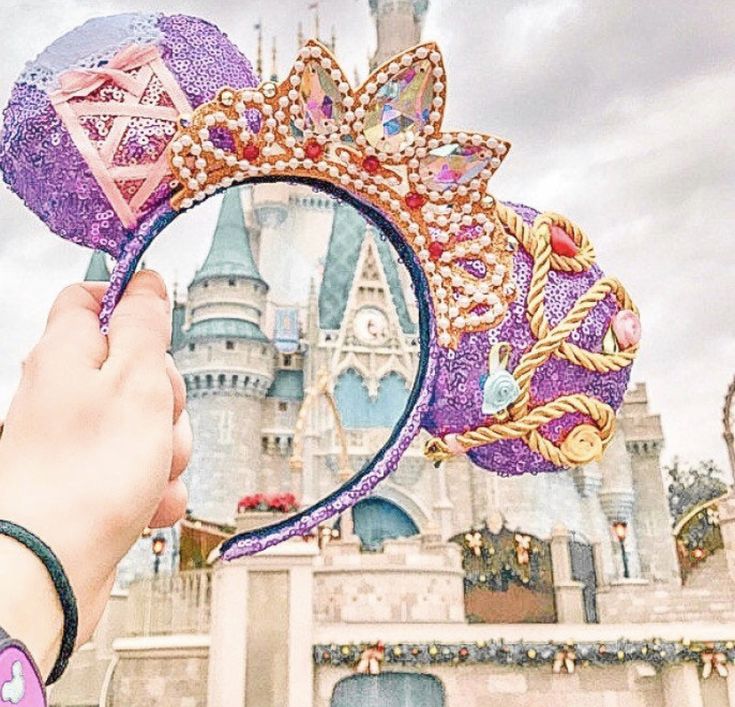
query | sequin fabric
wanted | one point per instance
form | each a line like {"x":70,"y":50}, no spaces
{"x":41,"y":164}
{"x":457,"y":400}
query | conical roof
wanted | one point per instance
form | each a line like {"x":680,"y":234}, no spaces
{"x":230,"y":254}
{"x":97,"y":270}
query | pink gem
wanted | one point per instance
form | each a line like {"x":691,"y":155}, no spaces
{"x":626,"y":327}
{"x":453,"y":164}
{"x":562,"y":243}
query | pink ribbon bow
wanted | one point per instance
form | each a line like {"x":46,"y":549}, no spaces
{"x":81,"y":82}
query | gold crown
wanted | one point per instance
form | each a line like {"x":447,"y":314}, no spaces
{"x":384,"y":144}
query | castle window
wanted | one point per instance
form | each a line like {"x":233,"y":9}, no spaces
{"x":192,"y":347}
{"x":222,"y":379}
{"x":209,"y":381}
{"x":264,"y":444}
{"x":231,"y":282}
{"x":229,"y":345}
{"x":197,"y":382}
{"x":287,"y":360}
{"x":234,"y":381}
{"x":282,"y":406}
{"x":206,"y":283}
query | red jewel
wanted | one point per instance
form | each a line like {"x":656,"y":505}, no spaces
{"x":562,"y":243}
{"x":313,"y":149}
{"x":414,"y":200}
{"x":250,"y":152}
{"x":371,"y":164}
{"x":436,"y":249}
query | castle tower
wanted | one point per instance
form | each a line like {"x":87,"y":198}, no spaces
{"x":366,"y":342}
{"x":228,"y":366}
{"x":644,"y":442}
{"x":398,"y":24}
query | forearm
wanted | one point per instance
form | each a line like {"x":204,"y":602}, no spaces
{"x":29,"y":606}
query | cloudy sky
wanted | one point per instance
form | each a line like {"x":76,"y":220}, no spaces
{"x":621,"y":115}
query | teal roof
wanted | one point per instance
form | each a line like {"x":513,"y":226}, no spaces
{"x":288,"y":385}
{"x":97,"y":270}
{"x":230,"y":253}
{"x":345,"y":241}
{"x":224,"y":329}
{"x":177,"y":323}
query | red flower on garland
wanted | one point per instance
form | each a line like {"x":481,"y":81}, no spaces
{"x":279,"y":502}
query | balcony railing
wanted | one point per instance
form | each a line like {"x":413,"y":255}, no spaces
{"x":170,"y":604}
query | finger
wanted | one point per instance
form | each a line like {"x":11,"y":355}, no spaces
{"x":140,"y":326}
{"x":177,"y":384}
{"x":182,"y":445}
{"x":73,"y":327}
{"x":172,"y":506}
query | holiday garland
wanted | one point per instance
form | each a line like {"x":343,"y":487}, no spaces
{"x":562,"y":657}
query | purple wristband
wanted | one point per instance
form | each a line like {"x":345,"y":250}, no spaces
{"x":20,"y":682}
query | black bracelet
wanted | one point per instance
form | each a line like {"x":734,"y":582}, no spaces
{"x":63,"y":588}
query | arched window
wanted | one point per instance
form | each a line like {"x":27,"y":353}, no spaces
{"x":376,"y":520}
{"x":389,"y":689}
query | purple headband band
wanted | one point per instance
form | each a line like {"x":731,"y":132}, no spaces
{"x":526,"y":346}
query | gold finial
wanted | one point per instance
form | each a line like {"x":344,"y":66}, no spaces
{"x":259,"y":56}
{"x":274,"y":62}
{"x":300,"y":37}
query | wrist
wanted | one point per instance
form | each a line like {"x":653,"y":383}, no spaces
{"x":30,"y":610}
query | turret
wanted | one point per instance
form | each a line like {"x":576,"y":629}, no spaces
{"x":97,"y":270}
{"x":398,"y":24}
{"x":228,"y":366}
{"x":644,"y":442}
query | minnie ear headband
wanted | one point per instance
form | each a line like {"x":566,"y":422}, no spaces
{"x":526,"y":346}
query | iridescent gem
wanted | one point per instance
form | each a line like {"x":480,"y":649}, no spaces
{"x":321,"y":100}
{"x":400,"y":109}
{"x":453,"y":164}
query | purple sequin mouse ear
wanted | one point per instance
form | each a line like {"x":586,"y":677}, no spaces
{"x":86,"y":132}
{"x":525,"y":344}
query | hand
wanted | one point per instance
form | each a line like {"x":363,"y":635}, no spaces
{"x":92,"y":450}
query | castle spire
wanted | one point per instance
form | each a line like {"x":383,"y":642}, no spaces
{"x":230,"y":253}
{"x":97,"y":270}
{"x":274,"y":61}
{"x":259,"y":55}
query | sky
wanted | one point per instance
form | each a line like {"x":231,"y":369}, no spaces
{"x":621,"y":116}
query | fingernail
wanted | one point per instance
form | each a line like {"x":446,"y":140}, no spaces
{"x":154,"y":281}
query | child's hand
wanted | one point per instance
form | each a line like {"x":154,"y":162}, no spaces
{"x":92,"y":450}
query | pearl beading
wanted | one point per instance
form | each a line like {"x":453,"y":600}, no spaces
{"x":461,"y":244}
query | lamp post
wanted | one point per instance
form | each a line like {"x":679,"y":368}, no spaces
{"x":620,"y":528}
{"x":158,"y":546}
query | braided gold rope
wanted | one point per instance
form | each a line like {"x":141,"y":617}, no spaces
{"x":584,"y":442}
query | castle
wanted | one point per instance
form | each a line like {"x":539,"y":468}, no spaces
{"x":301,"y":307}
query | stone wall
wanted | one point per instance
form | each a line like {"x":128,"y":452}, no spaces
{"x":709,"y":595}
{"x":411,"y":580}
{"x":226,"y":455}
{"x":149,"y":672}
